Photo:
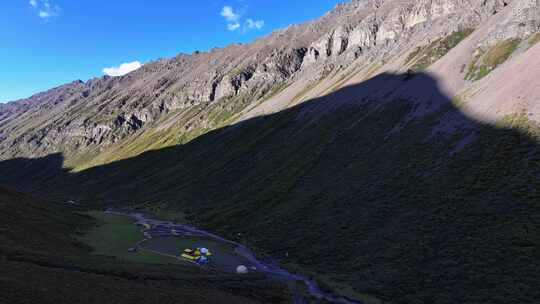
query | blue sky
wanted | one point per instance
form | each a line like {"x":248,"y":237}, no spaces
{"x":45,"y":43}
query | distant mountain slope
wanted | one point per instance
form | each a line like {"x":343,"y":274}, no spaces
{"x":171,"y":101}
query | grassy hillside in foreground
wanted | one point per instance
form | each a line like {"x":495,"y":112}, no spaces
{"x":370,"y":197}
{"x":42,"y":262}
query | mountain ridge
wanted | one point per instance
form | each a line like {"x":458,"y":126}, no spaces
{"x":108,"y":111}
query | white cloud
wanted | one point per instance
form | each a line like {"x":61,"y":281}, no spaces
{"x":233,"y":26}
{"x":254,"y":24}
{"x":122,"y":69}
{"x":233,"y":19}
{"x":228,"y":13}
{"x":45,"y":10}
{"x":44,"y":14}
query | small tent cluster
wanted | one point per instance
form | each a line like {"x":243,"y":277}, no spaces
{"x":199,"y":255}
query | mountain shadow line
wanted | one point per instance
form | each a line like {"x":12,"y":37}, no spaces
{"x":410,"y":201}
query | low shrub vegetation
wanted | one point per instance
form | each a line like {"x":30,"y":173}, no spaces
{"x":486,"y":61}
{"x":425,"y":56}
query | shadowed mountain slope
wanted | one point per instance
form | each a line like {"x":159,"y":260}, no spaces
{"x":389,"y":148}
{"x":370,"y":195}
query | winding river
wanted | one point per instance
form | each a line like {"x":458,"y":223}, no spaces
{"x":168,"y":229}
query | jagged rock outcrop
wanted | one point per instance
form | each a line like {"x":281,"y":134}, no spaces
{"x":167,"y":92}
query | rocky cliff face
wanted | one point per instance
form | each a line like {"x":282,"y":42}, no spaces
{"x":189,"y":93}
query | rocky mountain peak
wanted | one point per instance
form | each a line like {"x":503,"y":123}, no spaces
{"x":237,"y":78}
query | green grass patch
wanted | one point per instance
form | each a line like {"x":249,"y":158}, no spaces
{"x":534,"y":39}
{"x":520,"y":121}
{"x":114,"y":235}
{"x":425,"y":56}
{"x":485,"y":62}
{"x":501,"y":52}
{"x":458,"y":101}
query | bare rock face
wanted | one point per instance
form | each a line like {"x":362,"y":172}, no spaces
{"x":170,"y":92}
{"x":340,"y":40}
{"x":363,"y":36}
{"x":226,"y":87}
{"x":332,"y":44}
